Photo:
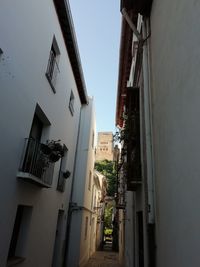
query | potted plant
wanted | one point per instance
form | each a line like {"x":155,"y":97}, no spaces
{"x":53,"y":150}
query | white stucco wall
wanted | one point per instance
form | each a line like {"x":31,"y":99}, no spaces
{"x":27,"y":29}
{"x":175,"y":57}
{"x":85,"y":156}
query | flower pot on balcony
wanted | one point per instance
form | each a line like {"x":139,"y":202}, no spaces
{"x":55,"y":146}
{"x":45,"y":149}
{"x":54,"y":156}
{"x":53,"y":150}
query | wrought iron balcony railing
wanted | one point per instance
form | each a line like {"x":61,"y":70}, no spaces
{"x":35,"y":166}
{"x":134,"y":175}
{"x":138,"y":6}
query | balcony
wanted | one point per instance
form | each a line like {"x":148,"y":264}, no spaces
{"x":35,"y":166}
{"x":133,"y":173}
{"x":139,"y":6}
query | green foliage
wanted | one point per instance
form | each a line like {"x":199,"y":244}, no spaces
{"x":107,"y":168}
{"x":108,"y":231}
{"x":108,"y":216}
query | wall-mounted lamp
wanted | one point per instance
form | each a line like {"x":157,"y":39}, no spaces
{"x":66,"y":174}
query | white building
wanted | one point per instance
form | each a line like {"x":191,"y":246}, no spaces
{"x":82,"y":224}
{"x":175,"y":107}
{"x":159,"y":85}
{"x":132,"y":200}
{"x":42,"y":92}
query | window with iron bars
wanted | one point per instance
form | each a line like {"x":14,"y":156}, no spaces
{"x":52,"y":67}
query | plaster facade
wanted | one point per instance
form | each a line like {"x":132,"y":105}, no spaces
{"x":175,"y":107}
{"x":28,"y":29}
{"x":167,"y":79}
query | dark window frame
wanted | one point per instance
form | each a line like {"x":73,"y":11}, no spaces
{"x":71,"y":103}
{"x":86,"y":227}
{"x":52,"y":66}
{"x":17,"y":248}
{"x":90,"y":180}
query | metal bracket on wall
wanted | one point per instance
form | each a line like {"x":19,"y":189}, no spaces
{"x":131,"y":24}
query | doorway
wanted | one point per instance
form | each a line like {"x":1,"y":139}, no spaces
{"x":57,"y":254}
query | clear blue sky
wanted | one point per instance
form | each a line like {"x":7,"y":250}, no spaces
{"x":97,"y":26}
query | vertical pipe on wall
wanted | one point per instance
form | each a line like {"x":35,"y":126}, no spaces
{"x":70,"y":209}
{"x":149,"y":145}
{"x":148,"y":126}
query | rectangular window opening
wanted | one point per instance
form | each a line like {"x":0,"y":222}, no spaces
{"x":35,"y":165}
{"x":89,"y":181}
{"x":52,"y":67}
{"x":93,"y":139}
{"x":86,"y":226}
{"x":18,"y":241}
{"x":71,"y":103}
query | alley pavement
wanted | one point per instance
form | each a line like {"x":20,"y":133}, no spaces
{"x":104,"y":259}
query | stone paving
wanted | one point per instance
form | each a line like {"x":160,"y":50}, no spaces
{"x":105,"y":258}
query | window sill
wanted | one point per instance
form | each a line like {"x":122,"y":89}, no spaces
{"x":14,"y":261}
{"x":71,"y":109}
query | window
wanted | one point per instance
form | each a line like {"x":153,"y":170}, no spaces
{"x":93,"y":139}
{"x":32,"y":162}
{"x":16,"y":252}
{"x":52,"y":67}
{"x":1,"y":53}
{"x":36,"y":128}
{"x":58,"y":240}
{"x":71,"y":103}
{"x":35,"y":165}
{"x":89,"y":181}
{"x":86,"y":226}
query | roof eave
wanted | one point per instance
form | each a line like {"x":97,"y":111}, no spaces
{"x":67,"y":27}
{"x":124,"y":70}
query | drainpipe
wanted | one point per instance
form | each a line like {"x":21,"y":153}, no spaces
{"x":148,"y":126}
{"x":72,"y":207}
{"x":149,"y":149}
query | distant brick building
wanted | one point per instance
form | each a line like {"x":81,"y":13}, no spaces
{"x":104,"y":146}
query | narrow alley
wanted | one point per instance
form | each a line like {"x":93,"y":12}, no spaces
{"x":99,"y":133}
{"x":104,"y":259}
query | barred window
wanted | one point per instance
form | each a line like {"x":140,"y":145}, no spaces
{"x":52,"y":67}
